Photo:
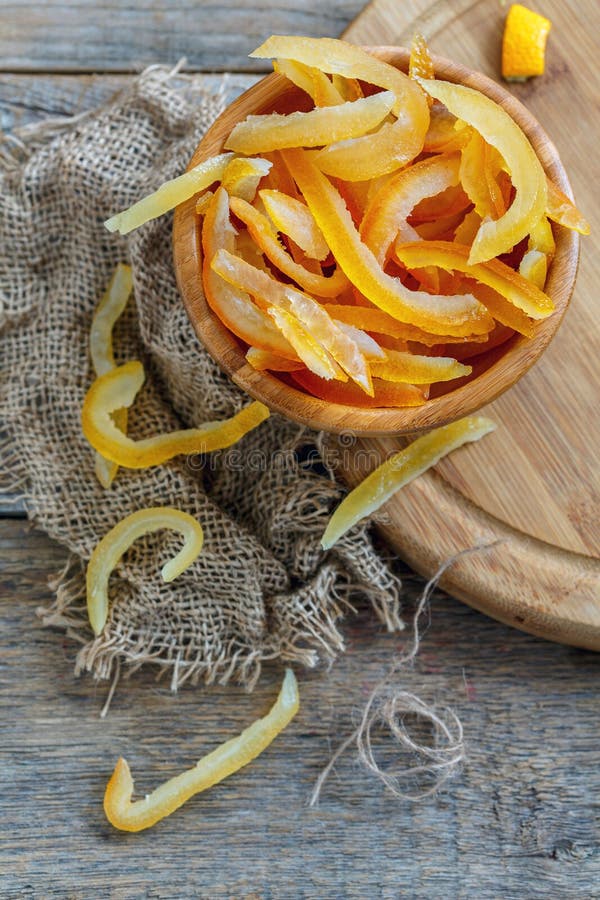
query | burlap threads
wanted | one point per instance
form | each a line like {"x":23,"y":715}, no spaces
{"x":262,"y":588}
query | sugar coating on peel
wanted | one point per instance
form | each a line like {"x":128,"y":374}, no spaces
{"x":399,"y":470}
{"x":259,"y":134}
{"x":118,"y":389}
{"x":461,"y":314}
{"x":415,"y":369}
{"x":113,"y":545}
{"x":230,"y":757}
{"x":529,"y":180}
{"x":170,"y":194}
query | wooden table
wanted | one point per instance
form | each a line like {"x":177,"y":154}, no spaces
{"x":521,"y":820}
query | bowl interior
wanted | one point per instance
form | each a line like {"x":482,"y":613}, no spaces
{"x":493,"y":371}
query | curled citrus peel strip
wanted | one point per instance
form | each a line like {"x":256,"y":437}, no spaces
{"x":113,"y":545}
{"x":495,"y":274}
{"x":118,"y":389}
{"x":230,"y":757}
{"x":265,"y":237}
{"x":169,"y":195}
{"x":106,"y":314}
{"x":459,"y":315}
{"x":292,"y":217}
{"x":232,"y":306}
{"x":529,"y":180}
{"x":385,"y":217}
{"x":399,"y":470}
{"x":389,"y":148}
{"x":376,"y":320}
{"x":420,"y":64}
{"x":259,"y":134}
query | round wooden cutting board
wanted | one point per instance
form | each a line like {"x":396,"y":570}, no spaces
{"x":534,"y":484}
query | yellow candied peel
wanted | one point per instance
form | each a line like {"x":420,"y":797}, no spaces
{"x":113,"y":545}
{"x":106,"y":314}
{"x":170,"y":194}
{"x":399,"y":470}
{"x":230,"y":757}
{"x":118,"y":389}
{"x":259,"y":134}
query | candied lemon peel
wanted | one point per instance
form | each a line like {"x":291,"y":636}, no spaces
{"x":117,"y":541}
{"x":230,"y":757}
{"x":524,"y":43}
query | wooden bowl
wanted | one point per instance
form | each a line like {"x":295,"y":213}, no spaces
{"x":494,"y":371}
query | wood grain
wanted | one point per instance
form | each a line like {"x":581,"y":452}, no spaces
{"x":543,"y":478}
{"x":500,"y":369}
{"x":520,"y":820}
{"x":92,"y":35}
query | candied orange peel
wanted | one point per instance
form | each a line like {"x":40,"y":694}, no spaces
{"x":230,"y":757}
{"x":117,"y":389}
{"x":117,"y":541}
{"x":105,"y":315}
{"x":399,"y":470}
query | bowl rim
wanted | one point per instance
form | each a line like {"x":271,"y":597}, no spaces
{"x":319,"y":414}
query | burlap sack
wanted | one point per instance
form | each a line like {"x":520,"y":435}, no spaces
{"x":261,"y":588}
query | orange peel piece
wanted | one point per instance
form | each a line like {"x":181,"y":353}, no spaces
{"x":262,"y":360}
{"x":230,"y":757}
{"x":527,"y":175}
{"x":524,"y":43}
{"x":399,"y":470}
{"x":117,"y":541}
{"x":386,"y":215}
{"x":294,"y":218}
{"x":493,"y":273}
{"x":312,"y":81}
{"x":460,"y":314}
{"x":106,"y":314}
{"x":314,"y":318}
{"x":169,"y":195}
{"x":117,"y":389}
{"x":563,"y":211}
{"x":233,"y":307}
{"x":420,"y":64}
{"x":265,"y":237}
{"x":371,"y":319}
{"x":319,"y":126}
{"x":386,"y":393}
{"x":411,"y":368}
{"x":534,"y":267}
{"x":389,"y":148}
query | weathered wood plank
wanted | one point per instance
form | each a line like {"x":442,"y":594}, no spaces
{"x":520,"y":821}
{"x":92,"y":35}
{"x":25,"y":99}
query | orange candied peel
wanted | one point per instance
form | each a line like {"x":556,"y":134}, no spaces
{"x":170,"y":194}
{"x":524,"y":43}
{"x":292,"y":217}
{"x":114,"y":544}
{"x":258,"y":134}
{"x":230,"y":757}
{"x":117,"y":389}
{"x":420,"y":64}
{"x":399,"y":470}
{"x":105,"y":315}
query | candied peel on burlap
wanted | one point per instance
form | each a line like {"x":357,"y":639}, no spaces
{"x":261,"y":588}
